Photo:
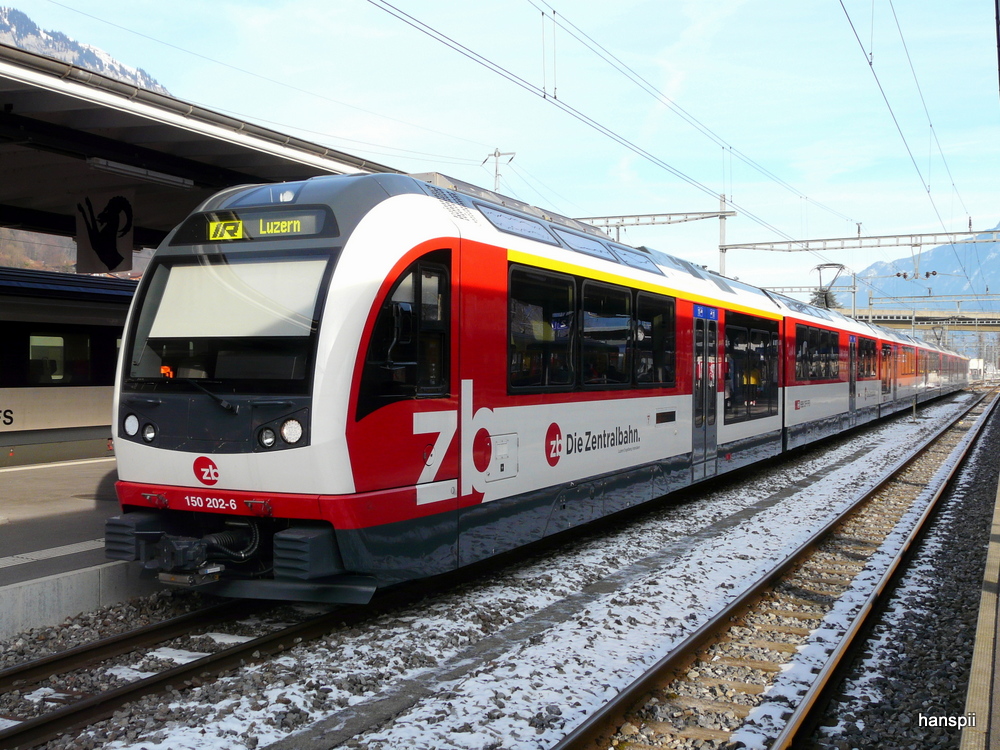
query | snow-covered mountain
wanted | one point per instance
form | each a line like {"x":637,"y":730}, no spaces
{"x":962,"y":268}
{"x":18,"y":30}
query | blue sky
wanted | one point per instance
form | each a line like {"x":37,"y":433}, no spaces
{"x":791,"y":122}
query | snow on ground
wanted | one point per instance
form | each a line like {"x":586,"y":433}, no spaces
{"x":518,"y":659}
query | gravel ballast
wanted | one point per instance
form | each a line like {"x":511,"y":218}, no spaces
{"x":917,"y":660}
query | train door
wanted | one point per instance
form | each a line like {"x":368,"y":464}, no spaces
{"x":705,"y":392}
{"x":894,"y":371}
{"x":852,"y":380}
{"x":406,"y":417}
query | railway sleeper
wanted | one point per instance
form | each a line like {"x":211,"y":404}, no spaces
{"x":776,"y":646}
{"x":785,"y":629}
{"x":747,"y":688}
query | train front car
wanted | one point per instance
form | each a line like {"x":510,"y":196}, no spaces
{"x":234,"y":386}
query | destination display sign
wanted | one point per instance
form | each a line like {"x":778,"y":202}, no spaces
{"x":246,"y":226}
{"x":249,"y":226}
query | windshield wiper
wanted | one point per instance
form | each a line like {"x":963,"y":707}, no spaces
{"x":234,"y":408}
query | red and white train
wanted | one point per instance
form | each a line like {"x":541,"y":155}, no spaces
{"x":340,"y":384}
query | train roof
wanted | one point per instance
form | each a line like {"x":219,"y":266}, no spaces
{"x":19,"y":282}
{"x":547,"y":234}
{"x":679,"y":272}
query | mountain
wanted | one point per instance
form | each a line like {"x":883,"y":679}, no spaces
{"x":18,"y":30}
{"x":19,"y":249}
{"x":963,"y":268}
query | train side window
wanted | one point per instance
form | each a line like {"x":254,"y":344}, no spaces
{"x":761,"y":380}
{"x":866,"y":359}
{"x":736,"y":371}
{"x":751,"y":367}
{"x":801,"y":353}
{"x":774,"y":353}
{"x":606,"y":335}
{"x":541,"y":329}
{"x":655,"y":340}
{"x":886,"y":368}
{"x":408,"y":353}
{"x":817,"y":353}
{"x":832,"y":347}
{"x":59,"y":360}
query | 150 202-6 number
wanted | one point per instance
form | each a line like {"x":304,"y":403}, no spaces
{"x":210,"y":503}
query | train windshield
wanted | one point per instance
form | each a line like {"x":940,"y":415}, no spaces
{"x":247,"y":322}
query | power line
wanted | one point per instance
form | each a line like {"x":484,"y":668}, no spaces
{"x":561,"y":104}
{"x":261,"y":77}
{"x":930,"y":124}
{"x":598,"y":49}
{"x":923,"y":102}
{"x":906,"y":144}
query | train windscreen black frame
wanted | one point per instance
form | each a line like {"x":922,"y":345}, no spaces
{"x":246,"y":321}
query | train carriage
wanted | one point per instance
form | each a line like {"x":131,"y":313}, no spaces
{"x":59,"y":337}
{"x":344,"y":383}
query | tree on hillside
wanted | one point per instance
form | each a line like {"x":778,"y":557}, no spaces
{"x":40,"y":252}
{"x":825,"y":298}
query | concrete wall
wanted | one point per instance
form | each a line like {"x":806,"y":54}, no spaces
{"x":48,"y":601}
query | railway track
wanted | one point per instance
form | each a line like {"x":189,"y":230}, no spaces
{"x":750,"y":676}
{"x":83,"y":710}
{"x":65,"y":721}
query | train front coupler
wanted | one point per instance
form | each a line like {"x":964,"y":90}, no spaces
{"x":176,"y":557}
{"x":183,"y":561}
{"x":193,"y":561}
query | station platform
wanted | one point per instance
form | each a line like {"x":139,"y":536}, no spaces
{"x":983,"y":697}
{"x":52,"y":563}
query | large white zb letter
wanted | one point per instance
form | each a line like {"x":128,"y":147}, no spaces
{"x":445,"y":424}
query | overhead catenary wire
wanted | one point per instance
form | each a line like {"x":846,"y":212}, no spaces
{"x":597,"y":48}
{"x":585,"y":119}
{"x":602,"y":52}
{"x":930,"y":123}
{"x":561,"y":104}
{"x":909,"y":151}
{"x":268,"y":79}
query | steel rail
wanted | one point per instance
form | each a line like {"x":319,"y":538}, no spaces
{"x":36,"y":670}
{"x":591,"y":729}
{"x":86,"y":711}
{"x":95,"y":708}
{"x":801,"y":713}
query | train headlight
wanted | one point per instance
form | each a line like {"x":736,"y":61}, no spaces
{"x":131,"y":425}
{"x":291,"y":431}
{"x":267,"y":438}
{"x":148,"y":432}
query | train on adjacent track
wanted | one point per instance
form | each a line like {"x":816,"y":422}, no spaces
{"x":335,"y":385}
{"x":59,"y":339}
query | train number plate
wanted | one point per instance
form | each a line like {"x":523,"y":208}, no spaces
{"x":197,"y":502}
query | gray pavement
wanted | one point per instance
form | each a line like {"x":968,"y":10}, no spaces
{"x":49,"y":506}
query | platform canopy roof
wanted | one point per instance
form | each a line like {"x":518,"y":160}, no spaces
{"x":67,"y":133}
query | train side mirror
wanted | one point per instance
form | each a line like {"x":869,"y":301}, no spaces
{"x":402,"y":331}
{"x":402,"y":322}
